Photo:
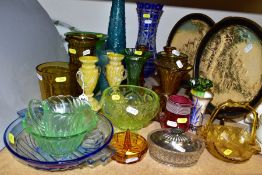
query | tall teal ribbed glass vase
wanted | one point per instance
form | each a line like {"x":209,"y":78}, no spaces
{"x":117,"y":28}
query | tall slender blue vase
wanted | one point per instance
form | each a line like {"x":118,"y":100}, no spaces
{"x":117,"y":28}
{"x":148,"y":17}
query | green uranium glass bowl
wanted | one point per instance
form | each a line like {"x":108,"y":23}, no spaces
{"x":59,"y":124}
{"x":129,"y":107}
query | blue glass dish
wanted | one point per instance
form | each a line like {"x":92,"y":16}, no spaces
{"x":93,"y":150}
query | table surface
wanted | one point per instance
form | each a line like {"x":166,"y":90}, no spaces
{"x":207,"y":164}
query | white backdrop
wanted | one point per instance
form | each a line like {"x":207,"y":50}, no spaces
{"x":28,"y":38}
{"x":94,"y":16}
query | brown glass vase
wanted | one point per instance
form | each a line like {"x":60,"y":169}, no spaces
{"x":54,"y":79}
{"x":79,"y":44}
{"x":171,"y":70}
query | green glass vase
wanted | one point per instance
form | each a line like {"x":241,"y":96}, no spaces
{"x":135,"y":60}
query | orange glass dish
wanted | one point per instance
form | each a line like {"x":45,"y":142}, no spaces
{"x":130,"y":147}
{"x":129,"y":108}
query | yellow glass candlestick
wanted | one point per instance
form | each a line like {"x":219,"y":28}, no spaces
{"x":114,"y":69}
{"x":87,"y":78}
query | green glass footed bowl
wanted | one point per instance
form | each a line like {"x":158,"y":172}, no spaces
{"x":59,"y":124}
{"x":130,"y":107}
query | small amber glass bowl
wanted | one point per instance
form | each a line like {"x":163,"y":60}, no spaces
{"x":130,"y":147}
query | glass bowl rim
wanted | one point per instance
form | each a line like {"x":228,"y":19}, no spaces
{"x":99,"y":36}
{"x":107,"y":90}
{"x":29,"y":129}
{"x":53,"y":64}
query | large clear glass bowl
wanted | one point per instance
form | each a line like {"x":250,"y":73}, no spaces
{"x":129,"y":107}
{"x":59,"y":124}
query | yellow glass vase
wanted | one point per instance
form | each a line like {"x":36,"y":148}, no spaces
{"x":114,"y":69}
{"x":87,"y":77}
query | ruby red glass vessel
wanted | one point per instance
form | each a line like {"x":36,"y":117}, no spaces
{"x":177,"y":113}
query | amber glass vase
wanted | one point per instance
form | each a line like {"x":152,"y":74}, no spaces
{"x":171,"y":69}
{"x":79,"y":44}
{"x":54,"y":79}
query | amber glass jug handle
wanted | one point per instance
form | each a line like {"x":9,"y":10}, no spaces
{"x":231,"y":104}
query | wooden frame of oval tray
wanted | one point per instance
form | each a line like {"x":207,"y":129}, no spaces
{"x":225,"y":23}
{"x":195,"y":43}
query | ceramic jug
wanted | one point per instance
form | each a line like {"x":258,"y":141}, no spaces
{"x":115,"y":72}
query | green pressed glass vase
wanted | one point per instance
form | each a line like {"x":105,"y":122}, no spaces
{"x":135,"y":60}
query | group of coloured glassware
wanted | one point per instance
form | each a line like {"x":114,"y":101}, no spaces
{"x":130,"y":87}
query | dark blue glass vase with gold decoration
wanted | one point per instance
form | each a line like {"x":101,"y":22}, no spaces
{"x":148,"y":17}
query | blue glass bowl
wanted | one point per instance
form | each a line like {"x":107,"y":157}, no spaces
{"x":92,"y":150}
